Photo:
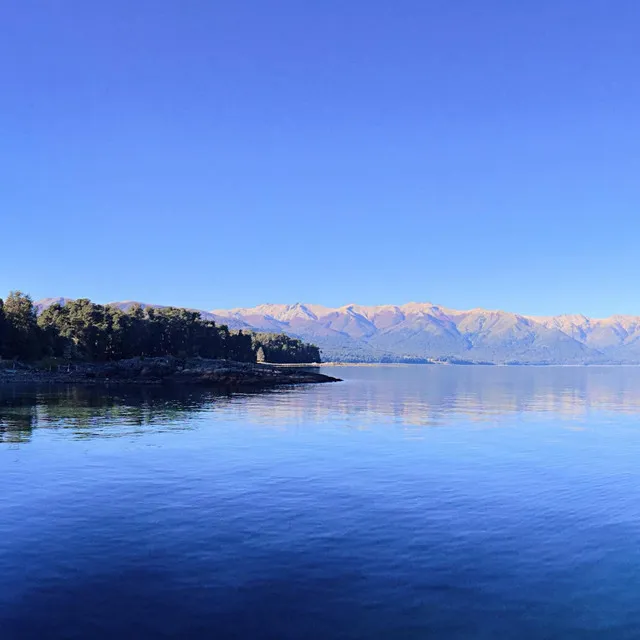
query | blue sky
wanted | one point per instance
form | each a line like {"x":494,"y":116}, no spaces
{"x":217,"y":154}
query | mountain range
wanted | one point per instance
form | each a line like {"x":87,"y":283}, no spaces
{"x":422,"y":332}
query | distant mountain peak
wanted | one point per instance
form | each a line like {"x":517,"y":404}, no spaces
{"x":426,"y":331}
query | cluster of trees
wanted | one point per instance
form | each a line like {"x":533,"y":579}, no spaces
{"x":82,"y":330}
{"x":19,"y":331}
{"x":280,"y":348}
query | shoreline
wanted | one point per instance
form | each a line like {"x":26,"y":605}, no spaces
{"x":538,"y":365}
{"x":163,"y":370}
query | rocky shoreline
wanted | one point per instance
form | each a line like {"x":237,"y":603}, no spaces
{"x":169,"y":370}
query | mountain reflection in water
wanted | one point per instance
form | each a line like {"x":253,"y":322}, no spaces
{"x":420,"y":395}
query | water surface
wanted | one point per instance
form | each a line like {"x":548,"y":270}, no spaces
{"x":406,"y":502}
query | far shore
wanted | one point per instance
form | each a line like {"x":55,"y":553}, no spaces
{"x":462,"y":364}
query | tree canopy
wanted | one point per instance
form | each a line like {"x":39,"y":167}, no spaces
{"x":280,"y":348}
{"x":83,"y":330}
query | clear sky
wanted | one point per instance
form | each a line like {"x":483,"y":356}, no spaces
{"x":216,"y":154}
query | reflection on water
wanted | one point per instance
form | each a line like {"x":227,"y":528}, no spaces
{"x":97,"y":411}
{"x":422,"y":394}
{"x":326,"y":511}
{"x":409,"y":395}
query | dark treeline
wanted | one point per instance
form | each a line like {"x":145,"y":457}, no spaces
{"x":280,"y":348}
{"x":82,"y":330}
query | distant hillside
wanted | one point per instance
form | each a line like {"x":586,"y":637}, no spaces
{"x":420,"y":332}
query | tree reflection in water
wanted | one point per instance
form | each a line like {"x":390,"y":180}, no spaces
{"x":414,"y":396}
{"x":98,"y":411}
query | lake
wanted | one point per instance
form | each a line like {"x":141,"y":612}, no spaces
{"x":405,"y":502}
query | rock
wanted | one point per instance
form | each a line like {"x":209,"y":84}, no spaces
{"x":167,"y":370}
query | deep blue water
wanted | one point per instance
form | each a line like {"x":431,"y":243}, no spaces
{"x":406,"y":502}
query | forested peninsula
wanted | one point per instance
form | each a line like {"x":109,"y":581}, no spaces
{"x":81,"y":340}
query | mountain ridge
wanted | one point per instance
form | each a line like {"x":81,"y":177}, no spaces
{"x":424,"y":331}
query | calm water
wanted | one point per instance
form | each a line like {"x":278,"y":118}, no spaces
{"x":406,"y":502}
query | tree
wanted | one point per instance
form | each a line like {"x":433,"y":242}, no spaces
{"x":3,"y":325}
{"x":22,"y":334}
{"x":56,"y":338}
